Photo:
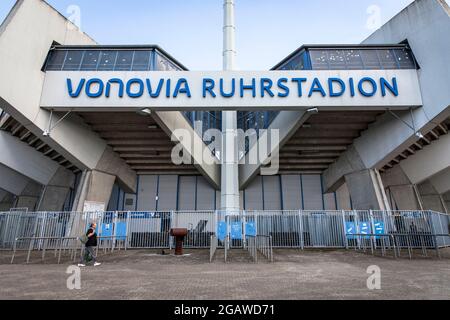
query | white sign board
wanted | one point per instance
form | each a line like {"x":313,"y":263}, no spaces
{"x":93,"y":206}
{"x":231,"y":90}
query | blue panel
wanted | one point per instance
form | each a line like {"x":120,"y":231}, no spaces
{"x":106,"y":230}
{"x":221,"y":230}
{"x":121,"y":230}
{"x":379,"y":228}
{"x":236,"y":230}
{"x":250,"y":229}
{"x":364,"y":228}
{"x":350,"y":228}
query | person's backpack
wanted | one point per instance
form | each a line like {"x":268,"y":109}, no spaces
{"x":84,"y":239}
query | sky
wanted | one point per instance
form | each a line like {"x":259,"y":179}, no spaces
{"x":191,"y":30}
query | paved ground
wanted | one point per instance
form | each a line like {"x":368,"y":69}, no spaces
{"x":294,"y":275}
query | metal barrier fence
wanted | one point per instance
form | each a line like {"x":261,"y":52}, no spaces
{"x":261,"y":244}
{"x":61,"y":246}
{"x":213,"y":248}
{"x":287,"y":229}
{"x":251,"y":248}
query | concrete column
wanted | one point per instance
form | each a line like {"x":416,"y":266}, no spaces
{"x":366,"y":190}
{"x":431,"y":199}
{"x":402,"y":192}
{"x":6,"y":200}
{"x":56,"y":191}
{"x":229,"y":156}
{"x":29,"y":197}
{"x":95,"y":186}
{"x":446,"y":198}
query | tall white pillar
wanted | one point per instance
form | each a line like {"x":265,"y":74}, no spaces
{"x":229,"y":156}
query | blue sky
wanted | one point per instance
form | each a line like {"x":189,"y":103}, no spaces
{"x":191,"y":30}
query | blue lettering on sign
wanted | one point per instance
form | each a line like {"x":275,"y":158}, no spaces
{"x":244,"y":88}
{"x":350,"y":229}
{"x":364,"y":228}
{"x":379,"y":228}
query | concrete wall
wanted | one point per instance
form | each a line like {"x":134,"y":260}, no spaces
{"x":25,"y":39}
{"x":287,"y":192}
{"x":425,"y":24}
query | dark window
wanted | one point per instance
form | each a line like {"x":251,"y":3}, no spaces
{"x":319,"y":59}
{"x":124,"y":61}
{"x":107,"y":60}
{"x":73,"y":60}
{"x":336,"y":60}
{"x":353,"y":59}
{"x":405,"y":59}
{"x":387,"y":59}
{"x":162,"y":64}
{"x":141,"y":61}
{"x":370,"y":59}
{"x":90,"y":60}
{"x":296,"y":63}
{"x":56,"y":60}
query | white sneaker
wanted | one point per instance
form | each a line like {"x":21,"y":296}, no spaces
{"x":97,"y":264}
{"x":81,"y":265}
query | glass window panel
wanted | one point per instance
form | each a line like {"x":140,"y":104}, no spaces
{"x":73,"y":60}
{"x":162,"y":64}
{"x":90,"y":60}
{"x":319,"y":59}
{"x":141,"y":61}
{"x":296,"y":63}
{"x":107,"y":60}
{"x":387,"y":59}
{"x":124,"y":60}
{"x":353,"y":59}
{"x":405,"y":59}
{"x":370,"y":59}
{"x":56,"y":60}
{"x":336,"y":60}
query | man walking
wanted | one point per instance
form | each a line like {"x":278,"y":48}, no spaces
{"x":91,"y":243}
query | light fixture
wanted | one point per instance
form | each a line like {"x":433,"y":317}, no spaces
{"x":313,"y":110}
{"x":420,"y":135}
{"x":145,"y":112}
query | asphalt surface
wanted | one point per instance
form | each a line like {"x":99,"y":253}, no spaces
{"x":145,"y":274}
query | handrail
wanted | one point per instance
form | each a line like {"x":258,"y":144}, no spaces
{"x":60,"y":247}
{"x":213,"y":247}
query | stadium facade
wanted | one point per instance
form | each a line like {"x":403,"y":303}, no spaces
{"x":362,"y":126}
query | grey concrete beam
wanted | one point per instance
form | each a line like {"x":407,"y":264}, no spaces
{"x":29,"y":197}
{"x":94,"y":186}
{"x":7,"y":200}
{"x":431,"y":199}
{"x":347,"y":163}
{"x":441,"y":181}
{"x":429,"y":161}
{"x":287,"y":122}
{"x":403,"y":193}
{"x":204,"y":161}
{"x":446,"y":198}
{"x":110,"y":163}
{"x":56,"y":191}
{"x":71,"y":138}
{"x":12,"y":181}
{"x":366,"y":190}
{"x":22,"y":158}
